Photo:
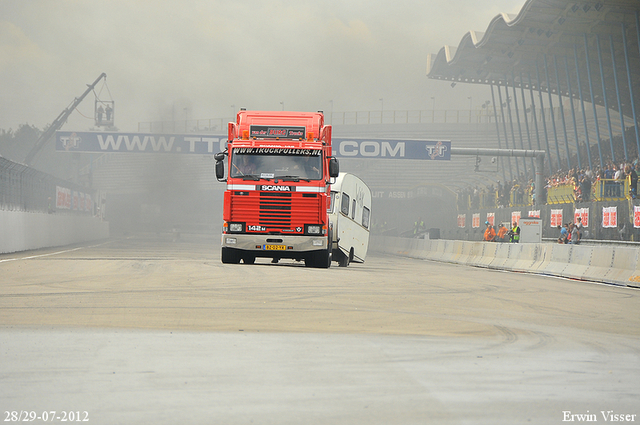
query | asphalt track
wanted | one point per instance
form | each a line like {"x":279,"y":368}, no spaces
{"x":145,"y":330}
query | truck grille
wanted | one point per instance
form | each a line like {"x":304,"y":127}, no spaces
{"x":276,"y":210}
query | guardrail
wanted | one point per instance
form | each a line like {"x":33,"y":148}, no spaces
{"x":601,"y":190}
{"x":611,"y":190}
{"x":562,"y":194}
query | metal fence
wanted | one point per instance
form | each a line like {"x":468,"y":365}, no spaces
{"x":23,"y":188}
{"x":601,"y":190}
{"x":429,"y":116}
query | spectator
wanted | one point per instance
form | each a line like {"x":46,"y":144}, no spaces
{"x":502,"y":233}
{"x":418,"y":227}
{"x":564,"y":234}
{"x":489,"y":233}
{"x":514,"y":234}
{"x":579,"y":225}
{"x":575,"y":234}
{"x":585,"y":188}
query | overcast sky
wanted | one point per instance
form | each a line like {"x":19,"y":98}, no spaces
{"x":197,"y":58}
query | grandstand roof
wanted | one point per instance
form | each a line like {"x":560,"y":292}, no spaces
{"x":513,"y":49}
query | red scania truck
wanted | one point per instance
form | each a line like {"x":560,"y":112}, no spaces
{"x":278,"y":194}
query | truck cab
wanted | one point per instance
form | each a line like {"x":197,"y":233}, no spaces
{"x":279,"y":172}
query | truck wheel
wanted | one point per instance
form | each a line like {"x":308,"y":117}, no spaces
{"x":319,"y":260}
{"x":230,"y":256}
{"x":324,"y":260}
{"x":249,"y":259}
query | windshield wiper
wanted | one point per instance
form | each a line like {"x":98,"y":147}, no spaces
{"x":251,"y":177}
{"x":292,"y":178}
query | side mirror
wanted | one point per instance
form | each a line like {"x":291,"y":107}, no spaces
{"x":334,"y":167}
{"x":220,"y":170}
{"x":219,"y":157}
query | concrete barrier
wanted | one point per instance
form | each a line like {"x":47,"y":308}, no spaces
{"x":22,"y":231}
{"x":466,"y":251}
{"x":501,"y":256}
{"x":601,"y":262}
{"x":523,"y":256}
{"x":488,"y":255}
{"x":457,"y":250}
{"x":477,"y":252}
{"x":610,"y":264}
{"x":580,"y":261}
{"x":624,"y":265}
{"x":543,"y":256}
{"x":558,"y":260}
{"x":437,"y":250}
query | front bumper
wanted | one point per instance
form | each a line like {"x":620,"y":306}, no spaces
{"x":259,"y":243}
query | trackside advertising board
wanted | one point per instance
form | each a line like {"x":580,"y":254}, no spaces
{"x":70,"y":141}
{"x":437,"y":150}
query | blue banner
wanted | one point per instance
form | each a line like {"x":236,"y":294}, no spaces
{"x":69,"y":141}
{"x":437,"y":150}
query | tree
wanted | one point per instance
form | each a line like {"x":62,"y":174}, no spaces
{"x":15,"y":145}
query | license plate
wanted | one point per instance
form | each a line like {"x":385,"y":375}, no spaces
{"x":275,"y":247}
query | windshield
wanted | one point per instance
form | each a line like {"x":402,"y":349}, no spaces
{"x":293,"y":164}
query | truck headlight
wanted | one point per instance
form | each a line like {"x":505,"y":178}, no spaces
{"x":231,"y":241}
{"x":313,"y":229}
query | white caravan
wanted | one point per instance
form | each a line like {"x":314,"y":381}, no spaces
{"x":350,"y":215}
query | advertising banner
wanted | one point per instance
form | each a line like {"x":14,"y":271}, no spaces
{"x":94,"y":141}
{"x":636,"y":216}
{"x":63,"y":198}
{"x":582,"y":213}
{"x":67,"y":199}
{"x":609,"y":216}
{"x":534,"y":214}
{"x":68,"y":141}
{"x":515,"y":217}
{"x":462,"y":218}
{"x":556,"y":218}
{"x":491,"y":218}
{"x":436,"y":150}
{"x":475,"y":220}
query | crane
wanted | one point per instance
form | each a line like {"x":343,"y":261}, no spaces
{"x":58,"y":122}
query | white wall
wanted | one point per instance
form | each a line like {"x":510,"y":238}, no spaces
{"x":21,"y":231}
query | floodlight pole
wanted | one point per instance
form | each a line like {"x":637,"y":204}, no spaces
{"x":521,"y":153}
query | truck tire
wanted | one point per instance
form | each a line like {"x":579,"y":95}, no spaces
{"x":320,"y":259}
{"x":230,"y":256}
{"x":249,"y":259}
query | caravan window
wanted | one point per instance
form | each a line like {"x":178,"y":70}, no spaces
{"x":344,"y":207}
{"x":365,"y":217}
{"x":353,"y":210}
